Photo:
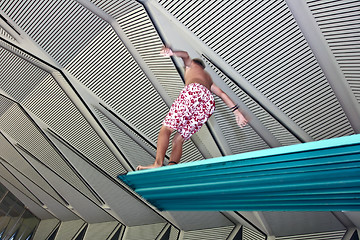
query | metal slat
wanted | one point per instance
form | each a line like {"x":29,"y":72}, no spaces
{"x":241,"y":140}
{"x":249,"y":234}
{"x":205,"y":234}
{"x":133,"y":152}
{"x":115,"y":8}
{"x":61,"y":28}
{"x":18,"y":85}
{"x":339,"y":21}
{"x":335,"y":235}
{"x":145,"y":232}
{"x":69,"y":229}
{"x":64,"y":118}
{"x":10,"y":155}
{"x":4,"y":33}
{"x":22,"y":129}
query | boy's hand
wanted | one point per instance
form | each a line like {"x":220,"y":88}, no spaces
{"x":166,"y":52}
{"x":240,"y":119}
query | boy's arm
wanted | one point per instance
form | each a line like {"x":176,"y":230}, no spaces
{"x":166,"y":51}
{"x":240,"y":119}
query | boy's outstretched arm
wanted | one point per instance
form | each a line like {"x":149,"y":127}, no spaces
{"x":166,"y":51}
{"x":240,"y":119}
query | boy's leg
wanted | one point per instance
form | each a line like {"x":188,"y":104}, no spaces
{"x":162,"y":146}
{"x":177,"y":144}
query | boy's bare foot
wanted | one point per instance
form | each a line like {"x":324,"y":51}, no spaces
{"x":147,"y":167}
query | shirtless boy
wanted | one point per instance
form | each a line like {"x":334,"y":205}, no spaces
{"x":190,"y":110}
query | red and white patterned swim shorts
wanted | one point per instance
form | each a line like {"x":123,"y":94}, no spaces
{"x":190,"y":110}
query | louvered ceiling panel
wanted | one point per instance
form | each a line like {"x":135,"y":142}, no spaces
{"x":212,"y":233}
{"x":244,"y":140}
{"x":115,"y":8}
{"x":64,"y":118}
{"x":7,"y":35}
{"x":10,"y":155}
{"x":45,"y":228}
{"x":62,"y":28}
{"x":100,"y":230}
{"x":18,"y":85}
{"x":107,"y":69}
{"x":264,"y":44}
{"x":58,"y":112}
{"x":339,"y":21}
{"x":239,"y":140}
{"x":69,"y":229}
{"x":294,"y":223}
{"x":18,"y":52}
{"x":142,"y":34}
{"x":132,"y":151}
{"x":248,"y":234}
{"x":4,"y":106}
{"x":174,"y":233}
{"x":5,"y":174}
{"x":16,"y":124}
{"x":144,"y":232}
{"x":336,"y":235}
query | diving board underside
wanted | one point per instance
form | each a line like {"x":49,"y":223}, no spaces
{"x":315,"y":176}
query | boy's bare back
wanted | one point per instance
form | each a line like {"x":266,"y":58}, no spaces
{"x":196,"y":74}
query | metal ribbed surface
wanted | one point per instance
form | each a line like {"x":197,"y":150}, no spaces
{"x":68,"y":230}
{"x":132,"y":151}
{"x":5,"y":105}
{"x":9,"y":154}
{"x":18,"y":52}
{"x":45,"y":228}
{"x":248,"y":140}
{"x":339,"y":21}
{"x":249,"y":234}
{"x":115,"y":8}
{"x":206,"y":234}
{"x":5,"y":34}
{"x":144,"y":232}
{"x":174,"y":233}
{"x":264,"y":44}
{"x":64,"y":118}
{"x":5,"y":174}
{"x":62,"y":28}
{"x":112,"y":74}
{"x":12,"y":82}
{"x":19,"y":127}
{"x":335,"y":235}
{"x":142,"y":34}
{"x":100,"y":230}
{"x":239,"y":140}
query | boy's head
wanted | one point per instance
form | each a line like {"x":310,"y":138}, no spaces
{"x":199,"y":62}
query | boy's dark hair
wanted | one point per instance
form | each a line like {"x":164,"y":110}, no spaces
{"x":199,"y":61}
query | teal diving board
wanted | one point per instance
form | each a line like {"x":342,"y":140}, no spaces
{"x":315,"y":176}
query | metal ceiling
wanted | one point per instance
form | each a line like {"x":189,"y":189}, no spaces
{"x":83,"y":91}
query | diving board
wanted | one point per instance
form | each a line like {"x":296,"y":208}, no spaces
{"x":315,"y":176}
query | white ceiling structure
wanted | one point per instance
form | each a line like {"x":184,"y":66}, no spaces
{"x":83,"y":91}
